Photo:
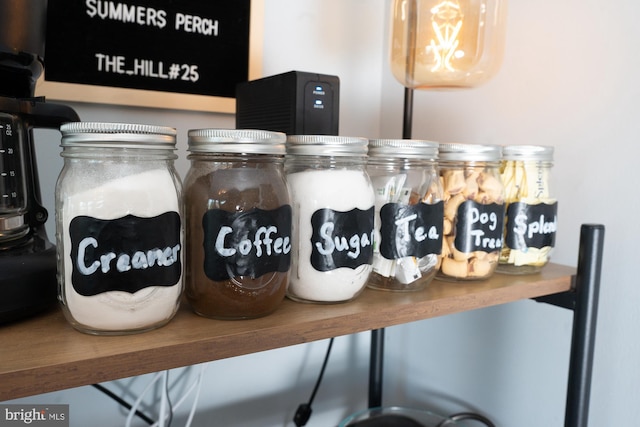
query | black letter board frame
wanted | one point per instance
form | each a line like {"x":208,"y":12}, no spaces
{"x":122,"y":52}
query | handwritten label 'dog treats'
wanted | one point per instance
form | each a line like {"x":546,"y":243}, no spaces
{"x":473,"y":211}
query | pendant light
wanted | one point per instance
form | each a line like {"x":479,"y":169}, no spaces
{"x":445,"y":44}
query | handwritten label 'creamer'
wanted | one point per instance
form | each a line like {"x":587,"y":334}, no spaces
{"x":125,"y":254}
{"x":139,"y":260}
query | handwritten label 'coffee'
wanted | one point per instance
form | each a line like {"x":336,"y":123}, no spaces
{"x":531,"y":226}
{"x":410,"y":230}
{"x":479,"y":227}
{"x":248,"y":243}
{"x":125,"y":254}
{"x":341,"y":239}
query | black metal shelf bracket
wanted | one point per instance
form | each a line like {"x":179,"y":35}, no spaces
{"x":583,"y":300}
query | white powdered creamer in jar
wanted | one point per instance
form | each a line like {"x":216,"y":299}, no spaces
{"x":118,"y":227}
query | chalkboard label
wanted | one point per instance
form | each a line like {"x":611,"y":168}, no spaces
{"x":531,"y":226}
{"x":125,"y":254}
{"x":187,"y":46}
{"x":479,"y":227}
{"x":341,"y":239}
{"x":248,"y":243}
{"x":411,"y":230}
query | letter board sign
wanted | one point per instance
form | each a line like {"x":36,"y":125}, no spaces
{"x":187,"y":54}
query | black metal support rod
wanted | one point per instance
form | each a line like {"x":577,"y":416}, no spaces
{"x":407,"y":118}
{"x":376,"y":368}
{"x":584,"y":324}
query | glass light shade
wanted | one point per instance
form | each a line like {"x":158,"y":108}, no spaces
{"x":446,"y":43}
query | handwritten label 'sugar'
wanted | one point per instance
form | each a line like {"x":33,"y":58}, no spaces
{"x":341,"y":239}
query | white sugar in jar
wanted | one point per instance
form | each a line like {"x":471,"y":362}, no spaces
{"x":333,"y":217}
{"x":119,"y":230}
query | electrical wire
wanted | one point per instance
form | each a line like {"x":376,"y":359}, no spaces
{"x":166,"y":398}
{"x":197,"y":384}
{"x":165,"y":402}
{"x":303,"y":413}
{"x":122,"y":402}
{"x":136,"y":404}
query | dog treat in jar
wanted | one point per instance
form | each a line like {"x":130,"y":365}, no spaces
{"x":118,"y":227}
{"x":409,"y":213}
{"x":531,"y":209}
{"x":238,"y":223}
{"x":473,"y":210}
{"x":333,"y":209}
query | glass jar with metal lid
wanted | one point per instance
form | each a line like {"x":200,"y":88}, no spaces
{"x":473,"y":210}
{"x":531,"y":209}
{"x":409,"y":213}
{"x":238,"y":223}
{"x":333,"y":209}
{"x":119,"y":227}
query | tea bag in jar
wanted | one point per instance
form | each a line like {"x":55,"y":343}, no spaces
{"x":409,"y":213}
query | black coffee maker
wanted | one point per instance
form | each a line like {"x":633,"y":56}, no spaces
{"x":27,"y":257}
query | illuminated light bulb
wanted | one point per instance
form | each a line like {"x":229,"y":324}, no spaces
{"x":446,"y":43}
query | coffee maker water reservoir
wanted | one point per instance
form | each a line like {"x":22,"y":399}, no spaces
{"x":27,"y":257}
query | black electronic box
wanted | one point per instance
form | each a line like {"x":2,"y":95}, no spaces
{"x":296,"y":103}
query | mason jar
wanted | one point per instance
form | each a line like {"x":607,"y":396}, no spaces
{"x":119,"y":228}
{"x":408,"y":213}
{"x":473,"y":210}
{"x":333,"y":210}
{"x":238,"y":223}
{"x":531,"y":209}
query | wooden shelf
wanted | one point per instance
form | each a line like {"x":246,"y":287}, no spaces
{"x":45,"y":354}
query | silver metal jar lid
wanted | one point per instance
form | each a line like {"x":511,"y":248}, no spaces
{"x":326,"y":145}
{"x":117,"y":135}
{"x":528,"y":152}
{"x":236,"y":141}
{"x":403,"y":148}
{"x":454,"y":151}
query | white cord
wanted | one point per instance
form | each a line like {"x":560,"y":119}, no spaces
{"x":163,"y":399}
{"x":135,"y":406}
{"x":195,"y":400}
{"x":197,"y":384}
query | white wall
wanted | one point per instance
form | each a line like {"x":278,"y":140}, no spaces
{"x":569,"y":80}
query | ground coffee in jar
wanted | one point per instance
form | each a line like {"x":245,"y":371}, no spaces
{"x":238,"y":223}
{"x":531,"y":209}
{"x":118,"y":227}
{"x":409,"y":213}
{"x":333,"y":205}
{"x":473,"y":210}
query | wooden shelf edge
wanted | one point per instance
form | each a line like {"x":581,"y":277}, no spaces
{"x":45,"y":354}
